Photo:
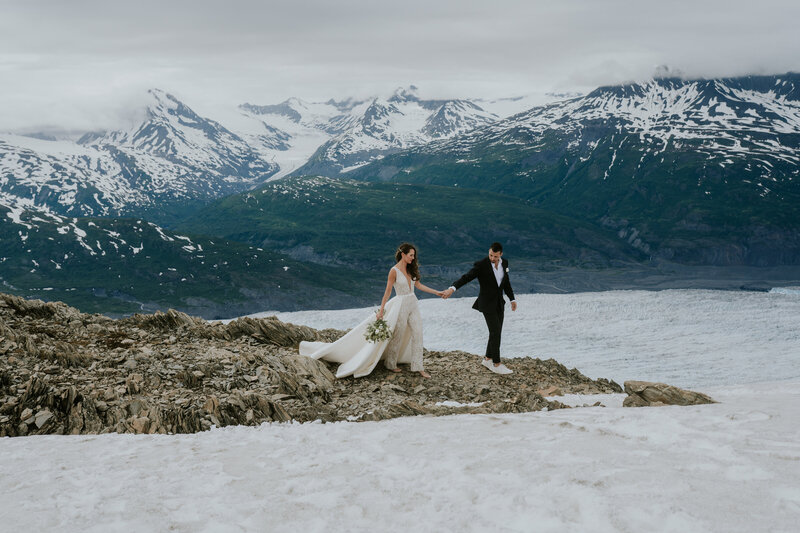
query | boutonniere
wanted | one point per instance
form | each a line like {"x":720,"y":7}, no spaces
{"x":506,"y":269}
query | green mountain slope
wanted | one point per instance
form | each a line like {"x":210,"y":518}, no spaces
{"x":359,"y":225}
{"x":120,"y":266}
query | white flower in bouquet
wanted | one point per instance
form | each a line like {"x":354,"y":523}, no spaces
{"x":378,"y":331}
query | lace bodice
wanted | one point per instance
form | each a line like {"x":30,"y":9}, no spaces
{"x":401,"y":284}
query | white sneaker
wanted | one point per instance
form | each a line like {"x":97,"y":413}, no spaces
{"x":487,"y":363}
{"x":501,"y":369}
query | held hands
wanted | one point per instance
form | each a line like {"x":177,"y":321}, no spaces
{"x":446,"y":294}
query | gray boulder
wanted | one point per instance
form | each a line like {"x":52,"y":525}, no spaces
{"x":648,"y":393}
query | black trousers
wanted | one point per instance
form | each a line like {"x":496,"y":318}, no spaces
{"x":494,"y":321}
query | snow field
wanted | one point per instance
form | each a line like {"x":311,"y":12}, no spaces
{"x":727,"y":467}
{"x":687,"y":338}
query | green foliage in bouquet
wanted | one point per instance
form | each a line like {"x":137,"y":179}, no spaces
{"x":378,"y":331}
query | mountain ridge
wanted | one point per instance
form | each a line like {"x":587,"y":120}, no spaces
{"x":702,"y":171}
{"x":168,"y":162}
{"x":172,"y":160}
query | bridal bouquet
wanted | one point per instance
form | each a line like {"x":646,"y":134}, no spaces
{"x":378,"y":331}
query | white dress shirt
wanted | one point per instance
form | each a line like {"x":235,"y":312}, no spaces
{"x":498,"y":272}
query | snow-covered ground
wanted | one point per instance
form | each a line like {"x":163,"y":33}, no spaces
{"x":688,"y":338}
{"x":728,"y":467}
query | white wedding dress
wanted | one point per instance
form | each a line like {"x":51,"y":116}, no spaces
{"x":358,"y":357}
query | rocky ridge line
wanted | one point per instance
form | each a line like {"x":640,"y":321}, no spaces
{"x":66,"y":372}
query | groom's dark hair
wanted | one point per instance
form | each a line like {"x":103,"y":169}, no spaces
{"x":497,"y":247}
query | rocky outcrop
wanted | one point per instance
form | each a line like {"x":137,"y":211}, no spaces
{"x":66,"y":372}
{"x":647,"y":393}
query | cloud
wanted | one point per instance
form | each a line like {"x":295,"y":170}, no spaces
{"x":78,"y":64}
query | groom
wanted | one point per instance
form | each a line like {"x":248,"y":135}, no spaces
{"x":492,"y":274}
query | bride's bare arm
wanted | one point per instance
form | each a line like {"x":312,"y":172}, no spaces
{"x":424,"y":288}
{"x":388,"y":292}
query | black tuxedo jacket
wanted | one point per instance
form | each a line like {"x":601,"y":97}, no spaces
{"x":490,"y":297}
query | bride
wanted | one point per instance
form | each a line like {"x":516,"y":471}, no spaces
{"x":357,"y":356}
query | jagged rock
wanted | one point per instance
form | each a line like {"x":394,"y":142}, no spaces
{"x":6,"y":344}
{"x":42,"y":417}
{"x":272,"y":331}
{"x":109,"y":394}
{"x":646,"y":393}
{"x":279,"y":412}
{"x":139,"y":424}
{"x":9,"y":405}
{"x":551,"y":391}
{"x":34,"y":308}
{"x":133,"y":383}
{"x":406,"y":408}
{"x":168,"y":321}
{"x":212,"y":405}
{"x":190,"y":378}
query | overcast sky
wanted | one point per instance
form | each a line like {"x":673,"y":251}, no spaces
{"x":82,"y":64}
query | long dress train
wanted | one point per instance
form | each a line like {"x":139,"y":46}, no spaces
{"x":358,"y":357}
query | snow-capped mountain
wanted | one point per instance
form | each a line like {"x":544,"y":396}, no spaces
{"x":171,"y":157}
{"x":667,"y":163}
{"x":753,"y":119}
{"x":289,"y":133}
{"x":331,"y":137}
{"x":173,"y":132}
{"x":386,"y":125}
